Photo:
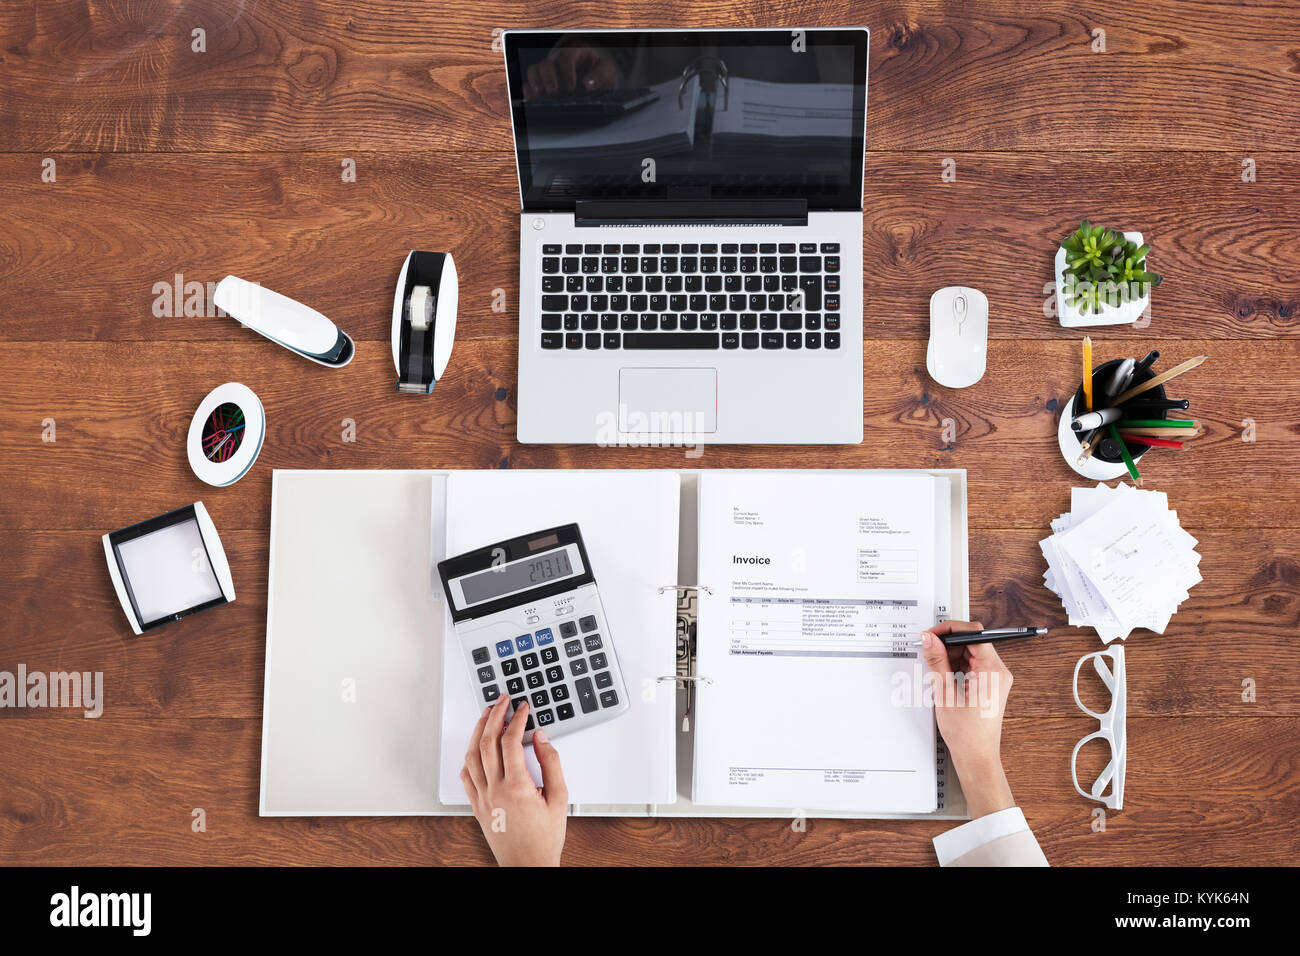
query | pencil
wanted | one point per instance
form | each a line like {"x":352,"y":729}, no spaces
{"x":1179,"y":433}
{"x":1087,"y":372}
{"x":1153,"y":442}
{"x":1156,"y":423}
{"x":1160,"y":379}
{"x":1128,"y":459}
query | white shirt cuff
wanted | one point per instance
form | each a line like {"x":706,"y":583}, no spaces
{"x":961,"y":840}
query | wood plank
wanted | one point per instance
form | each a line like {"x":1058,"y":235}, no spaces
{"x":1005,"y":428}
{"x":123,"y":791}
{"x":95,"y":255}
{"x":211,"y":665}
{"x":367,"y":74}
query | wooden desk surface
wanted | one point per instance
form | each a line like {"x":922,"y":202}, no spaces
{"x":178,"y":166}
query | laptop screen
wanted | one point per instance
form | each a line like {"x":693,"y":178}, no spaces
{"x":698,"y":114}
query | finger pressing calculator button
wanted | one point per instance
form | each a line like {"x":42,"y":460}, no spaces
{"x":588,"y":623}
{"x":481,"y":655}
{"x":545,"y":717}
{"x":530,"y":662}
{"x":573,"y":648}
{"x":516,"y":703}
{"x":534,"y":680}
{"x":544,"y":637}
{"x":510,"y":666}
{"x":593,"y":642}
{"x":550,"y":655}
{"x":541,"y":698}
{"x":554,"y":673}
{"x":604,"y":679}
{"x":515,"y":685}
{"x":564,"y":711}
{"x":524,"y":642}
{"x":491,"y":692}
{"x":505,"y":648}
{"x":486,"y":673}
{"x":609,"y":699}
{"x":586,"y":695}
{"x":559,"y":692}
{"x":578,"y":666}
{"x":568,"y":629}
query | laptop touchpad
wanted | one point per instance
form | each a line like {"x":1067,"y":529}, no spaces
{"x":675,"y":401}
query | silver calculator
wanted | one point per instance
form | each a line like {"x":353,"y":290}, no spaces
{"x":531,"y":626}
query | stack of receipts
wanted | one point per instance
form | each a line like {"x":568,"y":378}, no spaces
{"x":1119,"y":560}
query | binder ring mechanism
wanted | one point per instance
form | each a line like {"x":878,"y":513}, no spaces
{"x":697,"y":69}
{"x":687,"y":678}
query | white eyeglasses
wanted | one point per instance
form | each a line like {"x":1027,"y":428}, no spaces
{"x":1112,"y":727}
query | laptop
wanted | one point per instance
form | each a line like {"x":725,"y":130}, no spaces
{"x":690,"y":235}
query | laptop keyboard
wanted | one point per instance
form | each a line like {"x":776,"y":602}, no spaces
{"x":647,"y":296}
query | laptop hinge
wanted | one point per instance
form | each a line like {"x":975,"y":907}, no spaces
{"x":683,"y":212}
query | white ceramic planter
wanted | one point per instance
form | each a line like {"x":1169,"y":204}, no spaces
{"x":1070,"y":317}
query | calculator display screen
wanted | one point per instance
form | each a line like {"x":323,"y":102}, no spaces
{"x":530,"y":572}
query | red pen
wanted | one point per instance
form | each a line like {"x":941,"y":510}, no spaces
{"x":1152,"y":442}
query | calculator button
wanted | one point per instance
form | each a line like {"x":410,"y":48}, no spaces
{"x":545,"y":717}
{"x":515,"y":685}
{"x":534,"y":680}
{"x":510,"y":666}
{"x":609,"y":699}
{"x":550,"y":655}
{"x":573,"y":648}
{"x":586,"y":695}
{"x":566,"y":609}
{"x":491,"y":692}
{"x":517,"y":702}
{"x":588,"y":623}
{"x":541,"y":699}
{"x":529,"y":725}
{"x":481,"y":655}
{"x":578,"y":666}
{"x":604,"y":679}
{"x":593,"y":642}
{"x":524,"y":642}
{"x":505,"y":648}
{"x":544,"y":636}
{"x":565,"y":711}
{"x":529,"y":661}
{"x":599,"y":662}
{"x":568,"y":629}
{"x":486,"y":673}
{"x":559,"y":692}
{"x":554,"y":673}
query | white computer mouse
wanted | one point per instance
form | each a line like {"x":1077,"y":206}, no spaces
{"x":959,"y":335}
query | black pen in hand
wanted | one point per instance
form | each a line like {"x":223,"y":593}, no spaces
{"x":990,"y":635}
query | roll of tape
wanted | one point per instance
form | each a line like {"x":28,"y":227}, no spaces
{"x":421,"y":307}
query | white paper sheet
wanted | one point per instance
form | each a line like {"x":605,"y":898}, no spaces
{"x":821,"y":584}
{"x":1119,"y":560}
{"x":629,"y":524}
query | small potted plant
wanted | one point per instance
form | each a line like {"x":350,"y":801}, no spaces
{"x":1101,"y":277}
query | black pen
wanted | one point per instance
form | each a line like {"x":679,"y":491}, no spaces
{"x":990,"y":635}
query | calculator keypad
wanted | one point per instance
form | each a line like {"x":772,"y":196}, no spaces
{"x":531,"y":667}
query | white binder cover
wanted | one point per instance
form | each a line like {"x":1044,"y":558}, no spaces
{"x":353,"y":691}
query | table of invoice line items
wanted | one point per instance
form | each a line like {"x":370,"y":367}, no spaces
{"x":824,"y":627}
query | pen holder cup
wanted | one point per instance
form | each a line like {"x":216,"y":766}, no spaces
{"x":1099,"y":466}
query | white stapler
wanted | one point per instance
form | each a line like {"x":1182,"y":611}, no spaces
{"x":284,"y":321}
{"x":424,"y":320}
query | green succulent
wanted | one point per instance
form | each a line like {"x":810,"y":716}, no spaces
{"x":1103,"y":269}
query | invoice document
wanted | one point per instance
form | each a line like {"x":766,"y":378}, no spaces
{"x":810,"y":692}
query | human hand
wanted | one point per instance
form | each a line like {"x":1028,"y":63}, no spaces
{"x":523,"y":823}
{"x":969,"y":713}
{"x":569,"y":68}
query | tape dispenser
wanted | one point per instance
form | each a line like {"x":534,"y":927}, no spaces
{"x":424,"y":320}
